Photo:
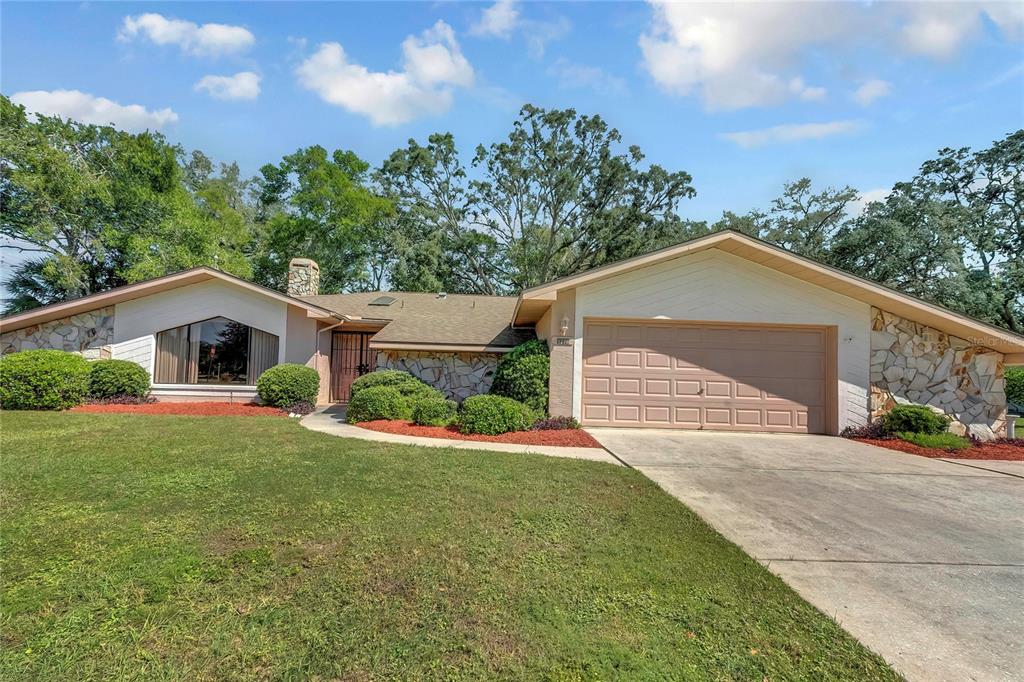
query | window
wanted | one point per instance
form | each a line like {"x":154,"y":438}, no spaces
{"x":215,"y":351}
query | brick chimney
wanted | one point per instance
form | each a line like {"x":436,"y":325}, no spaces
{"x":303,"y":277}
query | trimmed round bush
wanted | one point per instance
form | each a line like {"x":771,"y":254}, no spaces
{"x":434,"y":412}
{"x":523,"y":373}
{"x":110,"y":378}
{"x":378,"y":402}
{"x":43,"y":380}
{"x":405,"y":383}
{"x":494,"y":414}
{"x":914,"y":419}
{"x":288,"y":384}
{"x":1014,"y":379}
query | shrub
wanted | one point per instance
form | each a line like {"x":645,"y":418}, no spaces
{"x":555,"y":424}
{"x":284,"y":385}
{"x":434,"y":412}
{"x":43,"y":380}
{"x":403,"y":382}
{"x":914,"y":419}
{"x":378,"y":402}
{"x":875,"y":430}
{"x":494,"y":414}
{"x":302,"y":407}
{"x":942,"y":441}
{"x":109,"y":378}
{"x":1014,"y":378}
{"x":523,"y":373}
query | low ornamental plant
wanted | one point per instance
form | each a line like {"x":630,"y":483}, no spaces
{"x":523,"y":373}
{"x":43,"y":380}
{"x":873,"y":430}
{"x":303,"y":407}
{"x":287,"y":384}
{"x":435,"y":412}
{"x":493,"y":415}
{"x":940,"y":441}
{"x":555,"y":424}
{"x":378,"y":402}
{"x":914,"y":419}
{"x":113,"y":378}
{"x":404,"y":382}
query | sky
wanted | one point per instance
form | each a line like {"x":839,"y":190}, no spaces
{"x":744,"y":97}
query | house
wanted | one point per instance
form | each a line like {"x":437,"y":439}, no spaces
{"x":722,"y":332}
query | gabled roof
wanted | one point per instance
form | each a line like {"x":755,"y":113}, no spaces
{"x":534,"y":302}
{"x":430,"y":321}
{"x":130,"y":292}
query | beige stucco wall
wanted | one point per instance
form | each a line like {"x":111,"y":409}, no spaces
{"x":715,"y":286}
{"x":549,"y":328}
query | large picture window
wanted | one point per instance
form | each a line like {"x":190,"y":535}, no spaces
{"x":215,"y":351}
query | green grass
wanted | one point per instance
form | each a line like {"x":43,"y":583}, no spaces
{"x":251,"y":548}
{"x":943,"y":441}
{"x":1019,"y":423}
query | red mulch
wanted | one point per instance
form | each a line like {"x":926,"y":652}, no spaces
{"x":193,"y":409}
{"x":577,"y":438}
{"x":1003,"y":451}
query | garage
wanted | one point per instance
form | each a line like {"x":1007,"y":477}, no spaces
{"x":727,"y":377}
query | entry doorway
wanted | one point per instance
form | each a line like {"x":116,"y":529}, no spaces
{"x":351,"y":357}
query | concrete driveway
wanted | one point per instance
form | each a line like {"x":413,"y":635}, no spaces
{"x":922,"y":560}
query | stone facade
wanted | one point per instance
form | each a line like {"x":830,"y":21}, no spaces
{"x":912,"y":363}
{"x":89,"y":333}
{"x":303,"y":277}
{"x":457,"y":375}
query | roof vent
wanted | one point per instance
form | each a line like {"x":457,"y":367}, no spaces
{"x":383,"y":300}
{"x":442,"y":294}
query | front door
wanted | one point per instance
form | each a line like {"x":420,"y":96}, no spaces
{"x":351,"y":358}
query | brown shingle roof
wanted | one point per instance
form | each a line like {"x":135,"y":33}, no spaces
{"x":427,"y":319}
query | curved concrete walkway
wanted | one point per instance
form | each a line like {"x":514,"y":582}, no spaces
{"x":331,"y":420}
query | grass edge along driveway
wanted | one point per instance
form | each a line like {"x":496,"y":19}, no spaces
{"x":251,"y":548}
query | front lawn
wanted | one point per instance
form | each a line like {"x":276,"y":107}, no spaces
{"x":250,"y":548}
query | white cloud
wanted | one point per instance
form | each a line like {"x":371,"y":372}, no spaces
{"x":723,"y":52}
{"x":86,"y":108}
{"x":866,"y":197}
{"x":191,"y":38}
{"x":870,"y":90}
{"x":941,"y":29}
{"x":433,"y":65}
{"x":571,"y":75}
{"x":243,"y":85}
{"x":498,"y":21}
{"x":750,"y":139}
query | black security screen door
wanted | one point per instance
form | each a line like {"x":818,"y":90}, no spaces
{"x":351,"y":358}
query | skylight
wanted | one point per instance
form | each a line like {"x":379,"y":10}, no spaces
{"x":383,"y":300}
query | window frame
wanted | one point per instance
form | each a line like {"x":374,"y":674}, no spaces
{"x":189,"y":365}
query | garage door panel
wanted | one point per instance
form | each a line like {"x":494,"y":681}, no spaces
{"x":755,"y":378}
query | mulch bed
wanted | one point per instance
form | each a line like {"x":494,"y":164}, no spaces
{"x":193,"y":409}
{"x":577,"y":438}
{"x":1003,"y":451}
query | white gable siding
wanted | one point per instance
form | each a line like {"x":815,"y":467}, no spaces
{"x":138,"y":350}
{"x":715,"y":286}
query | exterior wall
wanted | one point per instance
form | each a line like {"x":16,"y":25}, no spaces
{"x":300,"y":337}
{"x":715,"y":286}
{"x":912,"y":363}
{"x":85,"y":333}
{"x":457,"y":375}
{"x":140,"y":351}
{"x":560,"y":383}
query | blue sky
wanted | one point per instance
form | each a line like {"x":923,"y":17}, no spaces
{"x":744,"y":97}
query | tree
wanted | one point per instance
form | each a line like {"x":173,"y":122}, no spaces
{"x":317,"y":206}
{"x":557,"y":197}
{"x":95,"y":208}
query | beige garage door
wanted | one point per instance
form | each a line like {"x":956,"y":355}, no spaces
{"x":707,"y":376}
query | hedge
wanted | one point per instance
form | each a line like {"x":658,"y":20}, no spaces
{"x":493,"y":415}
{"x":403,"y":382}
{"x":287,"y":384}
{"x":522,"y":374}
{"x":111,"y":378}
{"x":434,"y":412}
{"x":914,"y":419}
{"x":43,"y":380}
{"x":379,"y":402}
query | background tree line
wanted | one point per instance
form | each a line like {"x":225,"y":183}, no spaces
{"x":93,"y":207}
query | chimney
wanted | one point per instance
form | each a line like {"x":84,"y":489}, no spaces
{"x":303,"y":277}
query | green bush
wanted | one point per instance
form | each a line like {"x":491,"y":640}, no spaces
{"x":943,"y":441}
{"x":914,"y":419}
{"x":109,"y":378}
{"x":403,"y":382}
{"x":494,"y":414}
{"x":434,"y":412}
{"x":1014,"y":378}
{"x":43,"y":380}
{"x":288,"y":384}
{"x":379,"y":402}
{"x":523,"y":373}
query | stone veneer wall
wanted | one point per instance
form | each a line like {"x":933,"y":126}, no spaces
{"x":912,"y":363}
{"x":87,"y":333}
{"x":457,"y":375}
